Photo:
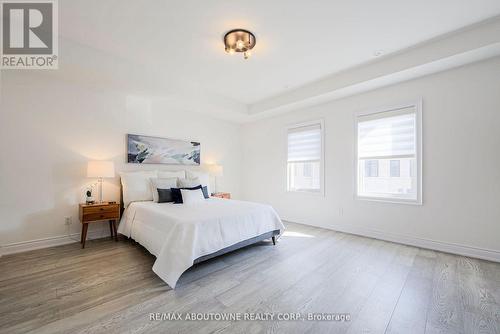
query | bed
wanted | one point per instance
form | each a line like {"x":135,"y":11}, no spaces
{"x":180,"y":235}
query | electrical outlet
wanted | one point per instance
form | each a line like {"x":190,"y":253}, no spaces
{"x":67,"y":221}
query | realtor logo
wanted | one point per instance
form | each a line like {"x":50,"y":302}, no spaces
{"x":29,"y":34}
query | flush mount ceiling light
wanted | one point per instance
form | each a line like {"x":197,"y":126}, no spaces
{"x":239,"y":40}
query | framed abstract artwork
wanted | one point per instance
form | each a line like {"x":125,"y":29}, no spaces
{"x":156,"y":150}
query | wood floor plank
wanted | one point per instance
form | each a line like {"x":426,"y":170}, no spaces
{"x":477,"y":303}
{"x":109,"y":287}
{"x":443,"y":315}
{"x":379,"y":307}
{"x":355,"y":292}
{"x":410,"y":313}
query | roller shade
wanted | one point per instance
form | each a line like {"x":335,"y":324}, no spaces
{"x":304,"y":143}
{"x":387,"y":134}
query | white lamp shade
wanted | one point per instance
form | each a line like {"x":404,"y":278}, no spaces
{"x":216,"y":170}
{"x":101,"y":169}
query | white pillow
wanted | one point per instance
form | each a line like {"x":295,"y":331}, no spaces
{"x":188,"y":183}
{"x":203,"y":176}
{"x":158,"y":183}
{"x":136,"y":186}
{"x":163,"y":174}
{"x":192,"y":196}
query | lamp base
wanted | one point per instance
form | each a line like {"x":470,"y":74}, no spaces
{"x":100,"y":190}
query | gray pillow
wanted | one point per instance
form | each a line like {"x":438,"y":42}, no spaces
{"x":165,"y":196}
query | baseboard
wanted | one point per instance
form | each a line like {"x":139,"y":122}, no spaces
{"x":447,"y":247}
{"x":24,"y":246}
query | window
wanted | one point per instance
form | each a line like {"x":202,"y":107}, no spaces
{"x":389,"y":154}
{"x":371,"y":168}
{"x":305,"y":157}
{"x":395,"y":168}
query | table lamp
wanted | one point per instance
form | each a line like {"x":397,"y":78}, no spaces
{"x":215,"y":170}
{"x":100,"y":169}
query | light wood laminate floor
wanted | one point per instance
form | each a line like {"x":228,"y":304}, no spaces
{"x":109,"y":287}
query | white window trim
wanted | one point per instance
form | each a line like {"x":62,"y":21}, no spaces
{"x":418,"y":114}
{"x":321,"y":191}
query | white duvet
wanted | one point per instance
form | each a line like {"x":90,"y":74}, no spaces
{"x":177,"y":234}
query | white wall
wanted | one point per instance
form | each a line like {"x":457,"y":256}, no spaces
{"x":461,"y":173}
{"x":50,"y":127}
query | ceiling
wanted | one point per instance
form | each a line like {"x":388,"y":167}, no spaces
{"x":298,"y":42}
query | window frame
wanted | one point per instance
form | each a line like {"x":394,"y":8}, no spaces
{"x":417,"y":105}
{"x":321,"y":191}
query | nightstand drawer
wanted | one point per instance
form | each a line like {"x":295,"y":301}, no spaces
{"x":100,"y":216}
{"x":101,"y":209}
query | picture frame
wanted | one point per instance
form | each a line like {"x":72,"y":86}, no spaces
{"x":143,"y":149}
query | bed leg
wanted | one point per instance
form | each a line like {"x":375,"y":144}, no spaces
{"x":274,"y":240}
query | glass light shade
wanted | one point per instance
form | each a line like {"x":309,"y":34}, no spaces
{"x":239,"y":40}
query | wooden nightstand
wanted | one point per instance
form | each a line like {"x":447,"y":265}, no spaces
{"x":222,"y":195}
{"x":90,"y":213}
